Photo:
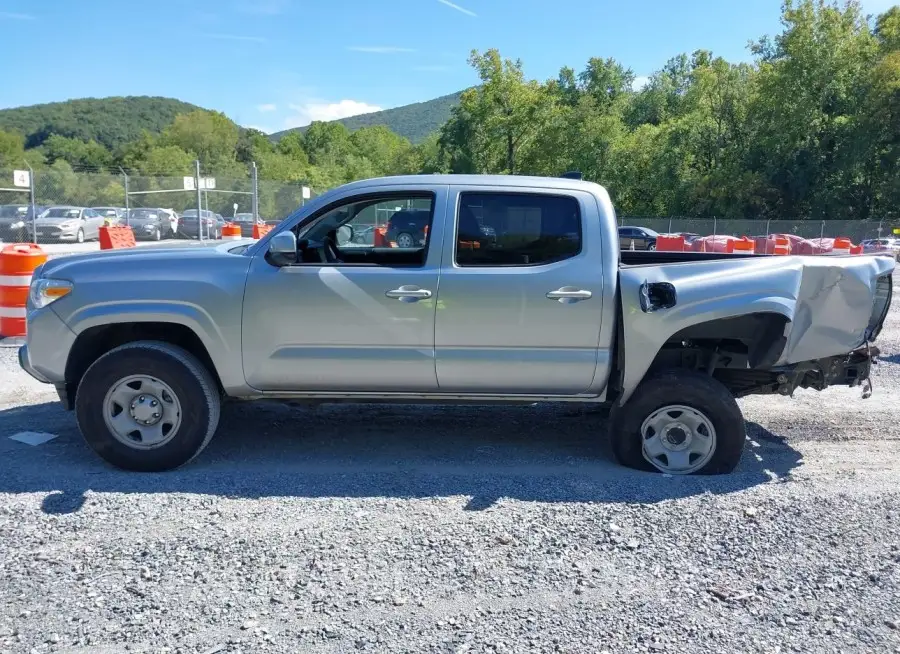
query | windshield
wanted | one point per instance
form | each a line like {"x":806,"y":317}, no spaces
{"x":12,"y":210}
{"x":144,"y":214}
{"x":106,"y":211}
{"x":62,"y":212}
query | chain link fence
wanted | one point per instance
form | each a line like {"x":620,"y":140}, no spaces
{"x":856,"y":230}
{"x":60,"y":186}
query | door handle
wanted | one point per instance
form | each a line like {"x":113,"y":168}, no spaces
{"x":409,"y":294}
{"x":569,"y":295}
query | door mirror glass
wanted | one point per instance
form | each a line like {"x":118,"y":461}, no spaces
{"x":283,"y":248}
{"x":344,"y":235}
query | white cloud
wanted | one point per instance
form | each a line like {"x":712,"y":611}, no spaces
{"x":640,"y":82}
{"x":378,"y":49}
{"x":236,"y":37}
{"x":265,"y":108}
{"x":458,"y":8}
{"x":304,"y":114}
{"x":12,"y":16}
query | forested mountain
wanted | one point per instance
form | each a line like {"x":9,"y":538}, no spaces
{"x":413,"y":121}
{"x":112,"y":122}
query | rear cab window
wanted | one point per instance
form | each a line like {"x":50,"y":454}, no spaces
{"x":516,"y":229}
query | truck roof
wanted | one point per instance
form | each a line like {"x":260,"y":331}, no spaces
{"x":510,"y":181}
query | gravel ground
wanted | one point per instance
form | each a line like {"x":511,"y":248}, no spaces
{"x":455,"y":529}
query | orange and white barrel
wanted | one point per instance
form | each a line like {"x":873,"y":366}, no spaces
{"x":782,"y":245}
{"x":842,"y":246}
{"x":17,"y":264}
{"x":231,"y":232}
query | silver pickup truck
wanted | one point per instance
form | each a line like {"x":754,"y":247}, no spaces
{"x":514,"y":290}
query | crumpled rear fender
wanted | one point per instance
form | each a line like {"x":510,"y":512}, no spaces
{"x":827,"y":301}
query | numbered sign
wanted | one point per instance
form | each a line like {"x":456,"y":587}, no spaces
{"x":22,"y":178}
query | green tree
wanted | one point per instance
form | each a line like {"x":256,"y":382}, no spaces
{"x":12,"y":149}
{"x":209,"y":135}
{"x":387,"y":152}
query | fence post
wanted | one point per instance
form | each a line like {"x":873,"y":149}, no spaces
{"x":127,"y":206}
{"x":715,"y":226}
{"x":822,"y":231}
{"x":255,"y":202}
{"x":31,"y":189}
{"x":767,"y":230}
{"x":199,"y":200}
{"x":670,"y":224}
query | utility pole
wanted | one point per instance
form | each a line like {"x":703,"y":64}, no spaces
{"x":199,"y":200}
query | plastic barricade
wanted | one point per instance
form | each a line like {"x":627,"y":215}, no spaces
{"x":773,"y":244}
{"x":720,"y":244}
{"x":379,"y":236}
{"x":261,"y":230}
{"x":116,"y":238}
{"x":17,"y":265}
{"x":671,"y":243}
{"x":842,"y":246}
{"x":743,"y":246}
{"x":231,"y":232}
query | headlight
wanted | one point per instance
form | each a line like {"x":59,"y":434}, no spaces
{"x":45,"y":291}
{"x":69,"y":223}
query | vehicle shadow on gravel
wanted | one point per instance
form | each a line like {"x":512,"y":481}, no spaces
{"x":542,"y":453}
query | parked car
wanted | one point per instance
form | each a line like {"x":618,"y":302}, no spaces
{"x":67,"y":223}
{"x":406,"y":227}
{"x":889,"y":246}
{"x":552,"y":310}
{"x":190,"y":227}
{"x":641,"y":237}
{"x":151,"y":224}
{"x":246,"y":223}
{"x":219,"y":227}
{"x":14,"y":219}
{"x":112,"y":215}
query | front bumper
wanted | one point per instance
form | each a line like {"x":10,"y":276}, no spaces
{"x":25,"y":364}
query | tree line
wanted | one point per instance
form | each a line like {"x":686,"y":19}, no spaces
{"x":810,"y":128}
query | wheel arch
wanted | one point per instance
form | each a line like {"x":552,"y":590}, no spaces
{"x":94,"y":342}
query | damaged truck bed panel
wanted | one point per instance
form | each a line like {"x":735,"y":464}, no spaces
{"x":825,"y":304}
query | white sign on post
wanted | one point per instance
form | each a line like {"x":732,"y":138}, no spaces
{"x":189,"y":184}
{"x":22,"y":178}
{"x":208,"y":183}
{"x":305,"y":191}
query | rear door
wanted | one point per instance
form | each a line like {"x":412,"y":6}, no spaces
{"x":519,"y":311}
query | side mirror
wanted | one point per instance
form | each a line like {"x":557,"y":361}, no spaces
{"x":344,"y":235}
{"x":283,"y":248}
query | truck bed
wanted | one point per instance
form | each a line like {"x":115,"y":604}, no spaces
{"x":630,"y":258}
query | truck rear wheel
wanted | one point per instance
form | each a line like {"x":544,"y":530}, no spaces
{"x":147,"y":406}
{"x":679,"y":422}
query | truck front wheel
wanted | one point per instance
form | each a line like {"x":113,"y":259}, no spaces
{"x":679,"y":422}
{"x":147,"y":406}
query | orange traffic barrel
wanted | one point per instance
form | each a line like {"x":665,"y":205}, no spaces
{"x":231,"y":231}
{"x":744,"y":245}
{"x":17,"y":264}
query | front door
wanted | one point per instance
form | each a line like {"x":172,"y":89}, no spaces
{"x":361,"y":323}
{"x":520,"y":301}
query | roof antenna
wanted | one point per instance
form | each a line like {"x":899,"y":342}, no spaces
{"x":572,"y":174}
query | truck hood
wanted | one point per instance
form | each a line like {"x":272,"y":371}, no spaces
{"x":131,"y":259}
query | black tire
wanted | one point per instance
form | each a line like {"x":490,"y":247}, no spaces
{"x":79,"y":237}
{"x":690,"y":389}
{"x":412,"y":239}
{"x":651,"y":247}
{"x":191,"y":382}
{"x":157,"y":235}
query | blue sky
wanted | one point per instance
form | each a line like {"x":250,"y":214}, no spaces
{"x":275,"y":64}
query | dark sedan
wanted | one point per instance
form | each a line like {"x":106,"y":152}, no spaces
{"x":193,"y":228}
{"x":637,"y":238}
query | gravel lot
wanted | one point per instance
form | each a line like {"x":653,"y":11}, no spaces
{"x":455,"y":529}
